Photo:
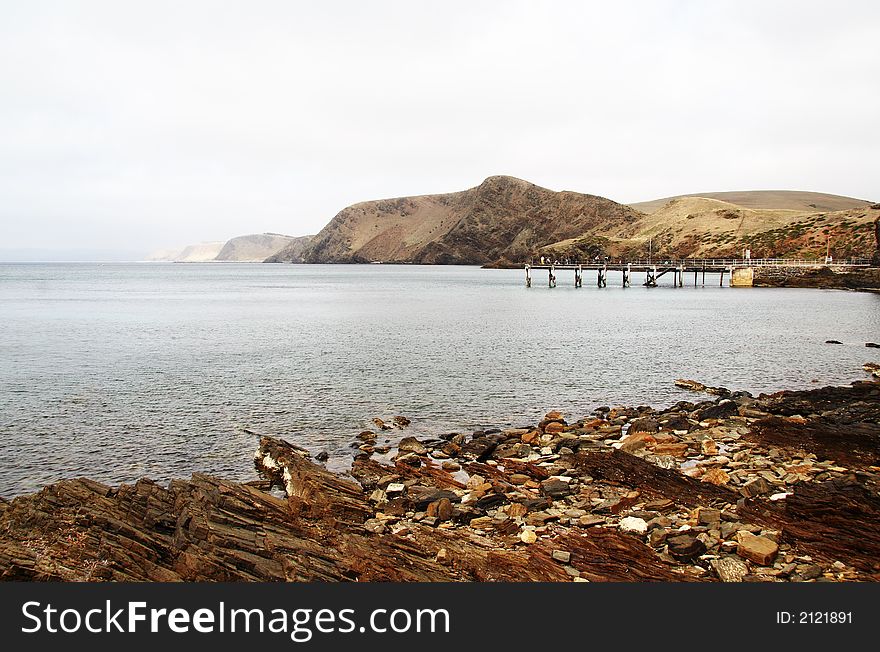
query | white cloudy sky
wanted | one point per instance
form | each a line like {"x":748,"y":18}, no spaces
{"x":128,"y":126}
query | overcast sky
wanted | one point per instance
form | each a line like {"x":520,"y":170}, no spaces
{"x":130,"y":126}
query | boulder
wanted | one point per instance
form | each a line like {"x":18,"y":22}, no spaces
{"x":411,"y":445}
{"x":554,"y":427}
{"x":643,"y":424}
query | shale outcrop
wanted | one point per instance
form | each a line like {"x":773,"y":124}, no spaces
{"x":730,"y":487}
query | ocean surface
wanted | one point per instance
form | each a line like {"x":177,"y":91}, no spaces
{"x":118,"y":371}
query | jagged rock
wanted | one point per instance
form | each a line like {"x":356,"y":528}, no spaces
{"x":636,"y":441}
{"x":441,"y":509}
{"x":481,"y":447}
{"x":715,"y":476}
{"x":633,"y":524}
{"x":724,"y":408}
{"x":555,"y":488}
{"x":673,"y":450}
{"x":692,"y":385}
{"x":708,"y":516}
{"x":730,"y":569}
{"x":757,"y":549}
{"x":685,"y":547}
{"x":757,"y":487}
{"x":411,"y":459}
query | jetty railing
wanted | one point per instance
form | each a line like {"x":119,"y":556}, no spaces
{"x":741,"y":270}
{"x":707,"y":262}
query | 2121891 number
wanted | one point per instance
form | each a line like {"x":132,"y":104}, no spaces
{"x":825,"y":617}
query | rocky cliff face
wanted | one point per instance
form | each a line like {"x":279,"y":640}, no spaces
{"x":502,"y":219}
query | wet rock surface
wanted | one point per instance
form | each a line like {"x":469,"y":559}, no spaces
{"x":779,"y":487}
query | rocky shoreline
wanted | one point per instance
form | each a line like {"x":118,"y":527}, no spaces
{"x":729,"y":487}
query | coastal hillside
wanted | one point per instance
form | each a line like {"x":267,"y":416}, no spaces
{"x":501,"y":221}
{"x":507,"y":221}
{"x":253,"y":248}
{"x":707,"y":227}
{"x":796,"y":200}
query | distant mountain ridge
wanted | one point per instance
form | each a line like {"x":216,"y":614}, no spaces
{"x":505,"y":221}
{"x":194,"y":253}
{"x":253,"y":248}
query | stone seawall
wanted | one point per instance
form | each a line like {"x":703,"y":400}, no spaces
{"x":818,"y":277}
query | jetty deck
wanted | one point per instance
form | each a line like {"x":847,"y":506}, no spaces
{"x":734,"y":268}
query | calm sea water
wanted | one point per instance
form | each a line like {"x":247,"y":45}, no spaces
{"x":118,"y":371}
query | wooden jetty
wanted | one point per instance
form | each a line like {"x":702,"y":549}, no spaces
{"x":738,"y":271}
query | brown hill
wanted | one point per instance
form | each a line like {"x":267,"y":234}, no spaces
{"x":797,"y":200}
{"x":502,"y":220}
{"x":690,"y":226}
